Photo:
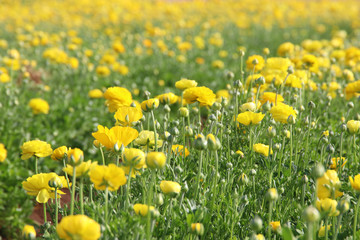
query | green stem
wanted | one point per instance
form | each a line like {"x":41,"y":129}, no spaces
{"x":102,"y":155}
{"x":128,"y":188}
{"x":337,"y":227}
{"x":155,"y":134}
{"x":67,"y":177}
{"x":354,"y":149}
{"x":150,"y":198}
{"x":106,"y":205}
{"x":291,"y":147}
{"x":45,"y":217}
{"x":36,"y":165}
{"x":355,"y":219}
{"x":269,"y":219}
{"x":198,"y":175}
{"x":340,"y":161}
{"x":56,"y":208}
{"x":326,"y":228}
{"x":82,"y":195}
{"x":73,"y":192}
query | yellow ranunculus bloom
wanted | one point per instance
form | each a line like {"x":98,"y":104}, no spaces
{"x":150,"y":104}
{"x":270,"y":97}
{"x":169,"y":187}
{"x":29,"y":232}
{"x":353,"y":126}
{"x":127,"y":116}
{"x":259,"y":60}
{"x":117,"y":97}
{"x":116,"y":135}
{"x":78,"y":227}
{"x":81,"y":170}
{"x":59,"y":153}
{"x":155,"y":160}
{"x":322,"y":230}
{"x":133,"y":157}
{"x":203,"y":95}
{"x":148,"y":137}
{"x":3,"y":152}
{"x":281,"y":112}
{"x":142,"y":209}
{"x":328,"y":207}
{"x":95,"y":93}
{"x":184,"y":84}
{"x":197,"y":228}
{"x":167,"y":98}
{"x":75,"y":156}
{"x":39,"y":105}
{"x":328,"y":183}
{"x":38,"y":185}
{"x":103,"y":71}
{"x":179,"y":149}
{"x":107,"y":176}
{"x":35,"y":147}
{"x":275,"y":226}
{"x":250,"y":118}
{"x":262,"y":149}
{"x":355,"y":183}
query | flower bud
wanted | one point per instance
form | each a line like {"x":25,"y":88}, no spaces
{"x":159,"y":199}
{"x":55,"y":182}
{"x":197,"y":229}
{"x":155,"y":160}
{"x":178,"y":170}
{"x":229,"y":165}
{"x":28,"y":232}
{"x":174,"y":131}
{"x":184,"y":112}
{"x":290,"y":70}
{"x":244,"y":179}
{"x":167,"y":109}
{"x":277,"y":146}
{"x":200,"y":142}
{"x":330,"y":149}
{"x":266,"y":106}
{"x":237,"y":84}
{"x":343,"y":206}
{"x":188,"y":131}
{"x":216,"y":105}
{"x":213,"y":142}
{"x":311,"y":105}
{"x":350,"y":105}
{"x":75,"y":156}
{"x":271,"y":131}
{"x":311,"y":214}
{"x":260,"y":81}
{"x":272,"y":194}
{"x":252,"y":172}
{"x":266,"y":51}
{"x":291,"y":119}
{"x":318,"y":171}
{"x":229,"y":75}
{"x":343,"y":127}
{"x":256,"y":224}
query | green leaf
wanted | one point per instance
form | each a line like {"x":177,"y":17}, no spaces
{"x":287,"y":234}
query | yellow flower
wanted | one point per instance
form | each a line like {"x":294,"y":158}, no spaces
{"x":327,"y":206}
{"x":256,"y":62}
{"x":75,"y":156}
{"x":133,"y":157}
{"x":240,"y":153}
{"x":59,"y":153}
{"x":327,"y":184}
{"x":29,"y":232}
{"x":117,"y":97}
{"x":262,"y":149}
{"x":39,"y":105}
{"x":281,"y":112}
{"x":179,"y":150}
{"x":249,"y":106}
{"x":116,"y":135}
{"x":203,"y":95}
{"x":167,"y":98}
{"x":95,"y":93}
{"x":79,"y":227}
{"x":270,"y":97}
{"x":352,"y":89}
{"x":3,"y":152}
{"x":128,"y":116}
{"x":250,"y":118}
{"x":259,"y":237}
{"x":197,"y":228}
{"x":142,"y":209}
{"x":155,"y":160}
{"x":311,"y":62}
{"x":184,"y":84}
{"x":150,"y":104}
{"x":103,"y":71}
{"x":355,"y":183}
{"x":170,"y":188}
{"x":275,"y":226}
{"x":81,"y":170}
{"x":107,"y":176}
{"x":286,"y":49}
{"x":322,"y":230}
{"x":148,"y":137}
{"x":335,"y":162}
{"x":353,"y":126}
{"x":37,"y":148}
{"x":38,"y":185}
{"x":217,"y":64}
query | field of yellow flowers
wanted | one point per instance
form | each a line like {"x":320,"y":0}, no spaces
{"x":134,"y":119}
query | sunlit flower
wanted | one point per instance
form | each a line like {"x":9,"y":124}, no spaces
{"x":39,"y":106}
{"x":255,"y":62}
{"x":327,"y":206}
{"x":270,"y":97}
{"x":281,"y":112}
{"x":155,"y":160}
{"x":336,"y":161}
{"x":170,"y":188}
{"x":262,"y":149}
{"x":275,"y":226}
{"x":59,"y":153}
{"x":116,"y":135}
{"x":127,"y":116}
{"x":185,"y":84}
{"x":75,"y":156}
{"x":107,"y":176}
{"x":150,"y":104}
{"x":179,"y":150}
{"x":35,"y":147}
{"x":81,"y":170}
{"x":117,"y":97}
{"x":133,"y":157}
{"x":38,"y":185}
{"x":3,"y":152}
{"x":167,"y":98}
{"x":95,"y":93}
{"x":250,"y":118}
{"x":327,"y":184}
{"x":28,"y":232}
{"x":353,"y":126}
{"x":203,"y":95}
{"x":79,"y":227}
{"x":355,"y":183}
{"x":142,"y":209}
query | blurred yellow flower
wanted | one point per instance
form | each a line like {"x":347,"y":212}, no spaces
{"x":250,"y":118}
{"x":59,"y":153}
{"x":167,"y":98}
{"x":75,"y":156}
{"x":81,"y":170}
{"x":203,"y":95}
{"x":116,"y":135}
{"x":355,"y":183}
{"x":275,"y":226}
{"x":37,"y":148}
{"x":179,"y":150}
{"x":281,"y":112}
{"x":155,"y":160}
{"x":95,"y":93}
{"x":255,"y":63}
{"x":117,"y":97}
{"x":102,"y":71}
{"x":38,"y":185}
{"x":142,"y":209}
{"x":127,"y":116}
{"x":353,"y":126}
{"x":148,"y":138}
{"x":150,"y":104}
{"x":327,"y":206}
{"x":133,"y":157}
{"x":270,"y":97}
{"x":3,"y":152}
{"x":327,"y":184}
{"x":170,"y":188}
{"x":107,"y":176}
{"x":184,"y":84}
{"x":39,"y":105}
{"x":28,"y":232}
{"x":79,"y":227}
{"x":262,"y":149}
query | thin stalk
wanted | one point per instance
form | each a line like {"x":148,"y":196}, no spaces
{"x":326,"y":228}
{"x":355,"y":218}
{"x":102,"y":155}
{"x":73,"y":192}
{"x":128,"y":188}
{"x":154,"y":123}
{"x":341,"y":146}
{"x":150,"y":198}
{"x":198,"y":175}
{"x":337,"y":227}
{"x":36,"y":165}
{"x":45,"y":217}
{"x":291,"y":147}
{"x":67,"y":177}
{"x":82,"y":195}
{"x":106,"y":204}
{"x":56,"y":208}
{"x":269,"y":219}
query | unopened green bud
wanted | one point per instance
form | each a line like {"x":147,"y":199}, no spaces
{"x":256,"y":224}
{"x":311,"y":214}
{"x":318,"y":171}
{"x":200,"y":142}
